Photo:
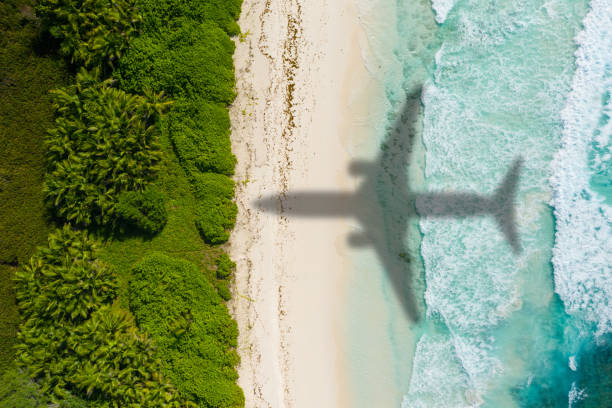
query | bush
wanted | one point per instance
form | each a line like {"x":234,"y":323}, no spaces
{"x":185,"y":59}
{"x":64,"y":282}
{"x":223,"y":290}
{"x":92,"y":32}
{"x":145,"y":210}
{"x":216,"y":213}
{"x":18,"y":391}
{"x":192,"y":60}
{"x":189,"y":322}
{"x":200,"y":134}
{"x":158,"y":13}
{"x":225,"y":266}
{"x":105,"y":360}
{"x":104,"y":142}
{"x":72,"y":341}
{"x":116,"y":363}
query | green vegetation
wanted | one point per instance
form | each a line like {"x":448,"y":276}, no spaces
{"x":190,"y":325}
{"x":26,"y":76}
{"x":189,"y":57}
{"x":179,"y":237}
{"x":223,"y":13}
{"x":225,"y":268}
{"x":64,"y":282}
{"x":186,"y":58}
{"x":18,"y":391}
{"x":200,"y":134}
{"x":9,"y":318}
{"x":143,"y":210}
{"x":141,"y":179}
{"x":72,"y":341}
{"x":104,"y":143}
{"x":92,"y":33}
{"x":216,"y":213}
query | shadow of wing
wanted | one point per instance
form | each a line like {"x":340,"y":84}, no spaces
{"x":397,"y":204}
{"x":315,"y":204}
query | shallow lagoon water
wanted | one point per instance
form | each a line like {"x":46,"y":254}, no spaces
{"x":500,"y":80}
{"x":399,"y":55}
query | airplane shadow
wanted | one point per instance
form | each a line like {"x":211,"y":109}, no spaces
{"x":384,"y":203}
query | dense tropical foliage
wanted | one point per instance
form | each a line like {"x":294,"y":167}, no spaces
{"x":188,"y":56}
{"x":189,"y":59}
{"x":104,"y":143}
{"x":17,"y":390}
{"x":225,"y":269}
{"x":223,"y":13}
{"x":195,"y":336}
{"x":200,"y":134}
{"x":26,"y":76}
{"x":72,"y":340}
{"x":64,"y":282}
{"x":91,"y":32}
{"x":217,"y":212}
{"x":143,"y":210}
{"x":154,"y":181}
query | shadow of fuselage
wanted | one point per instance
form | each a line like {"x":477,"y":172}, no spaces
{"x":383,"y":203}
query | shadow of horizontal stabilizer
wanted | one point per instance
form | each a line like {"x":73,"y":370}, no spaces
{"x":501,"y":205}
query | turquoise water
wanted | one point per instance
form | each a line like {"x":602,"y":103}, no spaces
{"x":402,"y":43}
{"x":500,"y":80}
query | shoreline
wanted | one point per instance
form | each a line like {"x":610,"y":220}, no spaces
{"x":290,"y":121}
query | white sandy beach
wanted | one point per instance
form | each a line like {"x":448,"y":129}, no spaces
{"x":300,"y":79}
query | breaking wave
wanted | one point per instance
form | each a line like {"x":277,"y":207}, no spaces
{"x":581,"y":181}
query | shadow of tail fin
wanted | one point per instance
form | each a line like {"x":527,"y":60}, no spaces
{"x":504,"y":202}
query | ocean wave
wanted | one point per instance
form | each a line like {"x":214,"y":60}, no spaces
{"x":582,"y":255}
{"x":500,"y":82}
{"x":441,"y":387}
{"x":442,"y":8}
{"x":575,"y":395}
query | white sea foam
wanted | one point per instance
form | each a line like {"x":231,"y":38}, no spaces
{"x":442,"y":8}
{"x":500,"y":81}
{"x":441,"y":386}
{"x":582,"y":256}
{"x":572,"y":363}
{"x":575,"y":395}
